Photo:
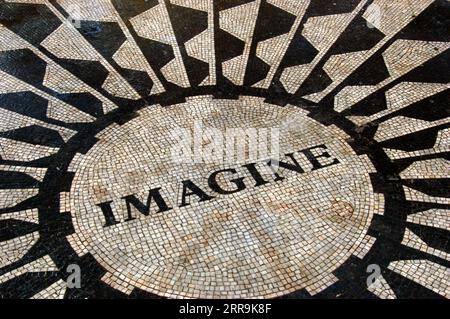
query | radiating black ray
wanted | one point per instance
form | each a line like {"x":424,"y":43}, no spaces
{"x":16,"y":180}
{"x":226,"y":45}
{"x":300,"y":51}
{"x":107,"y":38}
{"x":376,"y":102}
{"x":324,"y":7}
{"x":438,"y":187}
{"x":36,"y":135}
{"x":437,"y":238}
{"x":431,"y":25}
{"x":12,"y":228}
{"x":187,"y":23}
{"x":35,"y":22}
{"x":157,"y":54}
{"x":28,"y":284}
{"x":403,"y":163}
{"x":405,"y":288}
{"x":424,"y":139}
{"x":21,"y":18}
{"x":271,"y":22}
{"x":431,"y":29}
{"x":28,"y":67}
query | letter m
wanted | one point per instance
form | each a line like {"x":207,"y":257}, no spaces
{"x":144,"y":209}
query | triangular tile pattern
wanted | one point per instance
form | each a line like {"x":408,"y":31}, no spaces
{"x":377,"y":68}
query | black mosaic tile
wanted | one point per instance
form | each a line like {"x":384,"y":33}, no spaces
{"x":224,"y":149}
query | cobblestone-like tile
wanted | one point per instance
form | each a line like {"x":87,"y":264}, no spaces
{"x":224,"y":149}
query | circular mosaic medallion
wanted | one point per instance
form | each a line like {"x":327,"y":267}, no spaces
{"x":216,"y":220}
{"x":224,"y":148}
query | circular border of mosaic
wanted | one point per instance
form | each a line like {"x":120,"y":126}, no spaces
{"x":378,"y":248}
{"x":272,"y":245}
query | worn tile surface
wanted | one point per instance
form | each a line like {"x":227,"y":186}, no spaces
{"x":225,"y":148}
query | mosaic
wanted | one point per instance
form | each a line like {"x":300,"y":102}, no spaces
{"x":224,"y":149}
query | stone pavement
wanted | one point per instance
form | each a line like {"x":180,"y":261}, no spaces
{"x":224,"y":149}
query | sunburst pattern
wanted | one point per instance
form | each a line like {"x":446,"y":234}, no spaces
{"x":71,"y":72}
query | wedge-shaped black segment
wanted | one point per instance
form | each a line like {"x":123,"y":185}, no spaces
{"x":139,"y":80}
{"x":300,"y":51}
{"x":28,"y":67}
{"x":25,"y":103}
{"x":374,"y":71}
{"x":131,"y":8}
{"x":85,"y":102}
{"x":33,"y":22}
{"x":257,"y":70}
{"x":432,"y":108}
{"x":371,"y":72}
{"x":227,"y":4}
{"x":271,"y":22}
{"x":187,"y":23}
{"x":316,"y":82}
{"x":92,"y":73}
{"x":28,"y":284}
{"x":24,"y":65}
{"x":228,"y":46}
{"x":196,"y":70}
{"x":157,"y":54}
{"x":437,"y":238}
{"x":35,"y":134}
{"x":326,"y":7}
{"x":357,"y":37}
{"x":435,"y":70}
{"x":431,"y":25}
{"x":16,"y":180}
{"x":106,"y":37}
{"x":418,"y":207}
{"x":12,"y":228}
{"x":370,"y":105}
{"x":421,"y":140}
{"x":433,"y":187}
